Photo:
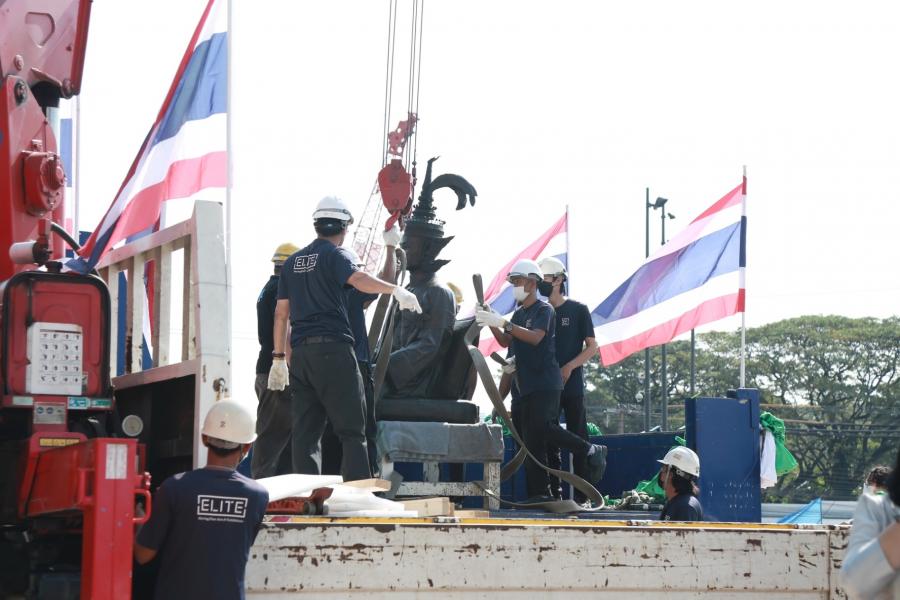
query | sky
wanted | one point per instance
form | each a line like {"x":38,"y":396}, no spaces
{"x":543,"y":106}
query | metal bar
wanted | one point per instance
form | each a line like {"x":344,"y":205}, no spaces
{"x":693,"y":362}
{"x":647,"y":350}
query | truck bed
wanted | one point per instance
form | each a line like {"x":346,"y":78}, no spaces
{"x":504,"y":557}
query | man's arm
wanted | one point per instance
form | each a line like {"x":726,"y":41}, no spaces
{"x":590,"y":349}
{"x":369,"y":285}
{"x":279,"y":333}
{"x":143,"y":555}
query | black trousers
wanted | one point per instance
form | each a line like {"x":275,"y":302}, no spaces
{"x":331,"y":445}
{"x":326,"y":387}
{"x":572,"y":406}
{"x":539,"y":418}
{"x":272,"y":448}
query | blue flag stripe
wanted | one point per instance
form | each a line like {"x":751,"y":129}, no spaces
{"x":668,"y":276}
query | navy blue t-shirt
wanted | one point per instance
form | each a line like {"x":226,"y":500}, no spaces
{"x":573,"y":325}
{"x":536,"y":366}
{"x":202,"y":524}
{"x":313,"y":279}
{"x":683,"y":507}
{"x":356,"y":302}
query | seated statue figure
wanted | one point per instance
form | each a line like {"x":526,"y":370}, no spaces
{"x":429,"y":370}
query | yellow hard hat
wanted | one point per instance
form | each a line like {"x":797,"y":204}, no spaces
{"x":283,"y":251}
{"x":457,"y":293}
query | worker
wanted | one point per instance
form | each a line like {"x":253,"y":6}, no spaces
{"x":271,"y":453}
{"x":531,"y":333}
{"x":677,"y":477}
{"x":575,"y":345}
{"x":324,"y":375}
{"x":357,"y":303}
{"x":204,"y":521}
{"x":871,"y":562}
{"x":876,"y":480}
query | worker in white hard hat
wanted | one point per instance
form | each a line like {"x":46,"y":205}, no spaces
{"x":678,"y":478}
{"x":531,"y":335}
{"x":272,"y":451}
{"x":357,"y":303}
{"x":575,"y":345}
{"x":203,"y":522}
{"x":324,"y":375}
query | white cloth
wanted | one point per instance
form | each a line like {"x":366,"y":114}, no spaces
{"x":865,"y":572}
{"x":768,"y":476}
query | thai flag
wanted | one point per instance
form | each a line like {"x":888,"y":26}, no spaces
{"x":499,"y":294}
{"x":185,"y":150}
{"x":696,"y":278}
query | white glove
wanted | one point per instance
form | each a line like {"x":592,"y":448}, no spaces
{"x":391,"y":237}
{"x":510,"y":367}
{"x":489,"y":318}
{"x":278,"y":375}
{"x":406,"y":299}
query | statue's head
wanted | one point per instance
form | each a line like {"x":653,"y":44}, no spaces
{"x":423,"y":236}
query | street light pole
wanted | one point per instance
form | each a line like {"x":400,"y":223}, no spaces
{"x":664,"y":415}
{"x":647,"y":206}
{"x":664,"y":419}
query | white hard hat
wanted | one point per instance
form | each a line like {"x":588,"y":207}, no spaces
{"x":552,"y":266}
{"x":526,"y":268}
{"x":230,"y":421}
{"x":685,"y":461}
{"x":331,"y":207}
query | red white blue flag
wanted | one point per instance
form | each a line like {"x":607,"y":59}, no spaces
{"x":696,"y":278}
{"x":185,"y":150}
{"x":499,"y":294}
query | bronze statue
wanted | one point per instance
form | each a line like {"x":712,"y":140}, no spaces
{"x":428,"y":360}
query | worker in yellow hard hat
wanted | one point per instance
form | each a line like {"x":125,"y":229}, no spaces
{"x":272,"y":452}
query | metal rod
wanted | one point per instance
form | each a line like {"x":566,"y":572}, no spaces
{"x":744,"y":312}
{"x":647,"y":350}
{"x":693,"y":362}
{"x":664,"y":416}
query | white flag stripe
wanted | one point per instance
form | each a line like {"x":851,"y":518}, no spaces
{"x":647,"y":319}
{"x":714,"y":222}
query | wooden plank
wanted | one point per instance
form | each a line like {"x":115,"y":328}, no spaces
{"x":187,"y":307}
{"x":370,"y":485}
{"x":162,"y":305}
{"x":430,"y":507}
{"x":134,"y":322}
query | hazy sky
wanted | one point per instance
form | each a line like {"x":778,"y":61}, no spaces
{"x":541,"y":105}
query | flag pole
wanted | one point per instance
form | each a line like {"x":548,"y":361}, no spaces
{"x":743,"y":286}
{"x":228,"y":150}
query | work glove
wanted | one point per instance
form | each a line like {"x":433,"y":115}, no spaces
{"x":278,"y":375}
{"x":391,"y":237}
{"x":510,"y":367}
{"x":489,"y":318}
{"x":406,"y":299}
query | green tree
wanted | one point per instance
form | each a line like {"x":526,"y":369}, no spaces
{"x":833,"y":379}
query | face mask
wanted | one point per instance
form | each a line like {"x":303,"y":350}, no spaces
{"x":519,"y":293}
{"x":545,"y":288}
{"x":867,"y":489}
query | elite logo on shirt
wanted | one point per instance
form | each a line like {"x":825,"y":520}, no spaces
{"x":528,"y":324}
{"x":564,"y":321}
{"x":221,"y":508}
{"x":305,"y":264}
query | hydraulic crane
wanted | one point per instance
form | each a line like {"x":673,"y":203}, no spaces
{"x":67,"y":491}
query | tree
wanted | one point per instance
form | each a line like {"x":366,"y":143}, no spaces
{"x":834,"y":380}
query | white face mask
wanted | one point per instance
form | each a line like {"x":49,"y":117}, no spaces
{"x":519,"y":293}
{"x":867,"y":490}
